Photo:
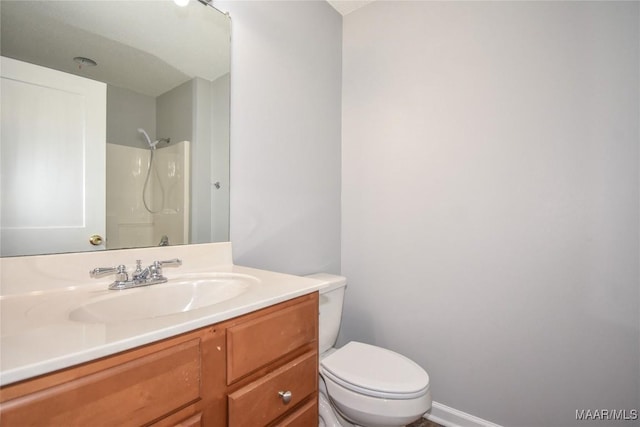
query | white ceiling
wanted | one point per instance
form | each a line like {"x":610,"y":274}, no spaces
{"x":347,"y":6}
{"x":149,"y":55}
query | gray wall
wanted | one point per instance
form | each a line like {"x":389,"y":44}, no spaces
{"x":201,"y":167}
{"x":126,"y":112}
{"x":220,"y":116}
{"x":490,"y":201}
{"x":285,"y":135}
{"x":174,"y":113}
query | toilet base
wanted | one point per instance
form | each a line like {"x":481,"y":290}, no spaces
{"x":328,"y":415}
{"x":331,"y":416}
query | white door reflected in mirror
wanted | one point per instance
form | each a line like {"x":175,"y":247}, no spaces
{"x":52,"y":150}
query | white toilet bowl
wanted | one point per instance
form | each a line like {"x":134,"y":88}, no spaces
{"x":375,"y":387}
{"x":375,"y":412}
{"x":362,"y":384}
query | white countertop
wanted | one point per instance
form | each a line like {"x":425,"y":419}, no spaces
{"x":38,"y":337}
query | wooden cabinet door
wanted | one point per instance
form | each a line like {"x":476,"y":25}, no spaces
{"x":130,"y":394}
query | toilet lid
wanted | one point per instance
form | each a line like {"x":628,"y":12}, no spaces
{"x":375,"y":371}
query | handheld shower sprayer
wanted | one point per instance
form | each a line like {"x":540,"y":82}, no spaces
{"x":152,"y":145}
{"x":152,"y":148}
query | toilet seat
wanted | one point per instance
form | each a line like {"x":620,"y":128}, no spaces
{"x":376,"y":372}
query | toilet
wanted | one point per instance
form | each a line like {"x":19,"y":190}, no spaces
{"x":362,"y":384}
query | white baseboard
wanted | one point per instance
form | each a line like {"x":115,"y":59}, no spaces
{"x":450,"y":417}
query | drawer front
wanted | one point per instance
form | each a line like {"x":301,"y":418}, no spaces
{"x":306,"y":416}
{"x":193,"y":421}
{"x":259,"y":403}
{"x":255,"y":343}
{"x":134,"y":393}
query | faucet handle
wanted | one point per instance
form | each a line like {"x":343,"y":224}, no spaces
{"x":102,"y":271}
{"x":156,"y":268}
{"x":120,"y":271}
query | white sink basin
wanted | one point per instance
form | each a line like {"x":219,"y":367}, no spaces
{"x":176,"y":296}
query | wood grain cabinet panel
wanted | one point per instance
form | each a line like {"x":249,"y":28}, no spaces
{"x":130,"y":394}
{"x":259,"y":403}
{"x":305,"y":416}
{"x":194,"y":421}
{"x":253,"y":344}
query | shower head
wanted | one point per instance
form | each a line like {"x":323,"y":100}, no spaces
{"x":152,"y":145}
{"x":146,"y":137}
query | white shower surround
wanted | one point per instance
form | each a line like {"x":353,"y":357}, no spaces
{"x":129,"y":224}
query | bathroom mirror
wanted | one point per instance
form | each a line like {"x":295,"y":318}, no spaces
{"x":115,"y":125}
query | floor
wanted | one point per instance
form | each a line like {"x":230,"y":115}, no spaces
{"x":424,"y":423}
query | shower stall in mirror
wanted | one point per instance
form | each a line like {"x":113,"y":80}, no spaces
{"x":150,"y":200}
{"x":147,"y":200}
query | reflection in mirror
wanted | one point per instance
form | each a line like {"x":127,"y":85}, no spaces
{"x":115,"y":125}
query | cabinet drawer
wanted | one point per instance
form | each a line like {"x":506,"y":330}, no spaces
{"x":259,"y":403}
{"x":305,"y":416}
{"x":132,"y":393}
{"x":193,"y":421}
{"x":255,"y":343}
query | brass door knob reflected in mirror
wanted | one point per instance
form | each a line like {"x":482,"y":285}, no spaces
{"x":95,"y":240}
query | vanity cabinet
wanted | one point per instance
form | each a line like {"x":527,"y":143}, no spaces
{"x":258,"y":369}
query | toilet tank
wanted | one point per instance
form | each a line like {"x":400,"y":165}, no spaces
{"x":331,"y":299}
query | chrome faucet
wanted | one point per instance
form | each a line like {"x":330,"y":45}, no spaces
{"x":151,"y":275}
